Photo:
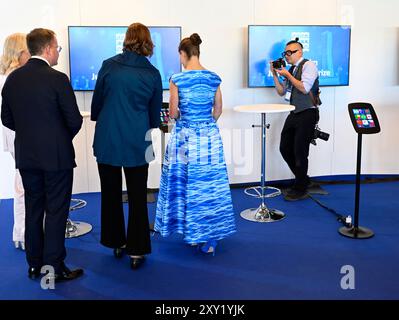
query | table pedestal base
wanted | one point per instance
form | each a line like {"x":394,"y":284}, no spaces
{"x":262,"y":214}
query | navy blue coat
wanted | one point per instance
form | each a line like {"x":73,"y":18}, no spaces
{"x":40,"y":106}
{"x":126,"y":104}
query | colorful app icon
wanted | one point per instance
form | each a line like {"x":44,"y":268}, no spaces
{"x":368,"y":111}
{"x":359,"y":123}
{"x":363,"y":117}
{"x":365,"y":123}
{"x":355,"y":111}
{"x":369,"y":116}
{"x":371,"y":123}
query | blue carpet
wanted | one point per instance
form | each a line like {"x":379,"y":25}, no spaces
{"x":297,"y":258}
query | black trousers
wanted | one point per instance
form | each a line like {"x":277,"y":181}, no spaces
{"x":113,"y":231}
{"x":296,"y":135}
{"x":47,"y":199}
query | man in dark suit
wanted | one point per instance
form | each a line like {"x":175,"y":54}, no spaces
{"x":40,"y":106}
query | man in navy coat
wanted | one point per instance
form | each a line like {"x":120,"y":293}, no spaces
{"x":40,"y":106}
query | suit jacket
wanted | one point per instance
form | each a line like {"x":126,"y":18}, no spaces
{"x":8,"y":135}
{"x":126,"y":104}
{"x":40,"y":106}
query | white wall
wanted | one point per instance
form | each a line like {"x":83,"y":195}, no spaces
{"x":222,"y":25}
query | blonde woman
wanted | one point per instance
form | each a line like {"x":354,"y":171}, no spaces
{"x":15,"y":55}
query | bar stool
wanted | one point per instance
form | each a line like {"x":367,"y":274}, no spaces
{"x":263,"y":213}
{"x":76,"y":228}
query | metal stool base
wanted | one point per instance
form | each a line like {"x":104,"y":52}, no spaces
{"x":76,"y":229}
{"x":262,"y":214}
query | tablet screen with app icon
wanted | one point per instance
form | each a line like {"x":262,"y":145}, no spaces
{"x":364,"y":118}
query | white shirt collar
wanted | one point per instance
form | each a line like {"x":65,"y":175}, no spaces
{"x":299,"y":61}
{"x":41,"y":58}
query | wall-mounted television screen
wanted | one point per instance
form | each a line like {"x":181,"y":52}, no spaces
{"x":327,"y":46}
{"x":89,"y":46}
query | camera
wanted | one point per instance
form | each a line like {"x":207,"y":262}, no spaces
{"x":318,"y":134}
{"x":279,"y":63}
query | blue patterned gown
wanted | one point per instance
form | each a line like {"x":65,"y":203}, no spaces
{"x":194,"y":196}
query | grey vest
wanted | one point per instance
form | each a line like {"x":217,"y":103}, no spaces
{"x":300,"y":100}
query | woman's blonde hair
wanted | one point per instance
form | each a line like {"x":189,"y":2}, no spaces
{"x":14,"y":45}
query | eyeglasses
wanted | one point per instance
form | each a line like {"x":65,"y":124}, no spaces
{"x":288,"y":53}
{"x":58,"y":48}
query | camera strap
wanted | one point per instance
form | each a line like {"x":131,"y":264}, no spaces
{"x":318,"y":115}
{"x":289,"y":85}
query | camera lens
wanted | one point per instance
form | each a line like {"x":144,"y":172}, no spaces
{"x":324,"y":136}
{"x":321,"y":135}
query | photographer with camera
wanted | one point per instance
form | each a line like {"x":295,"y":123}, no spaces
{"x":301,"y":89}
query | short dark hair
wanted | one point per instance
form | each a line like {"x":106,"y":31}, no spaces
{"x":294,"y":41}
{"x":38,"y":39}
{"x":190,"y":45}
{"x":138,"y":39}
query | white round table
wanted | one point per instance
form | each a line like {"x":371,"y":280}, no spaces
{"x":263,"y":213}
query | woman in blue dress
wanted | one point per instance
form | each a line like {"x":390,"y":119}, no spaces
{"x":194,"y":197}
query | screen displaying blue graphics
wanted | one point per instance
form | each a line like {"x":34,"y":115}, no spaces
{"x":327,"y":46}
{"x":90,"y":46}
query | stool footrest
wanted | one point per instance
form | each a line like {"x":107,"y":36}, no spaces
{"x":257,"y":192}
{"x":79,"y":204}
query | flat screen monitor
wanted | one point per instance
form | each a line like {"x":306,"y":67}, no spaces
{"x":89,"y":46}
{"x":327,"y":46}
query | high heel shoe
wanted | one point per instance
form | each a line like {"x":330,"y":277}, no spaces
{"x":119,"y":252}
{"x":136,"y":261}
{"x":209,"y":247}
